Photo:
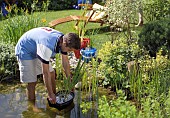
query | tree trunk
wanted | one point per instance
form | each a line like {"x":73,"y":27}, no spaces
{"x":140,"y":15}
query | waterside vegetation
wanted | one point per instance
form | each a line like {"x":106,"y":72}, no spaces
{"x":133,"y":62}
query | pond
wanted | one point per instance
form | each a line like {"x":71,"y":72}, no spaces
{"x":14,"y":104}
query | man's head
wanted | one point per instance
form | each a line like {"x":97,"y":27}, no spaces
{"x":72,"y":41}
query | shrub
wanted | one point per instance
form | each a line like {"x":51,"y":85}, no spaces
{"x":8,"y":62}
{"x":154,"y":35}
{"x":121,"y":12}
{"x":156,"y":9}
{"x":62,"y":4}
{"x":25,"y":4}
{"x":155,"y":72}
{"x":41,"y":5}
{"x":33,"y":5}
{"x":114,"y":59}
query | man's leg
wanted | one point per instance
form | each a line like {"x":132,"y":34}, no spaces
{"x":28,"y":75}
{"x":32,"y":106}
{"x":31,"y":90}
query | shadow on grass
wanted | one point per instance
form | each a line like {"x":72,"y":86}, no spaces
{"x":99,"y":30}
{"x":105,"y":29}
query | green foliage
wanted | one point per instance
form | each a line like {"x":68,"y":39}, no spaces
{"x":114,"y":59}
{"x":69,"y":83}
{"x":40,"y":5}
{"x":121,"y":12}
{"x":153,"y":106}
{"x":119,"y":108}
{"x":13,"y":11}
{"x":167,"y":105}
{"x":44,"y":5}
{"x":25,"y":4}
{"x":62,"y":4}
{"x":85,"y":106}
{"x":8,"y":62}
{"x":14,"y":28}
{"x":156,"y":9}
{"x":33,"y":5}
{"x":155,"y":73}
{"x":154,"y":35}
{"x":152,"y":77}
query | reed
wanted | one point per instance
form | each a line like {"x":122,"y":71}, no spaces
{"x":68,"y":83}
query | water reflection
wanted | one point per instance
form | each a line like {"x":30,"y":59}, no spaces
{"x":14,"y":104}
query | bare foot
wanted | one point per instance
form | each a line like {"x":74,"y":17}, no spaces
{"x":33,"y":107}
{"x":37,"y":110}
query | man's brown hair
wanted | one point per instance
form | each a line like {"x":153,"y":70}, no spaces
{"x":72,"y":40}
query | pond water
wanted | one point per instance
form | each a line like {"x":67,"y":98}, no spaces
{"x":14,"y":104}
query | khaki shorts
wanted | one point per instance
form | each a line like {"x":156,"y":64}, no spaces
{"x":29,"y":69}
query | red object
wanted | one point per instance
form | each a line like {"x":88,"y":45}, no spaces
{"x":84,"y":43}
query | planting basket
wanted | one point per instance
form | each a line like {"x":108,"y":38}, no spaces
{"x":84,"y":43}
{"x":62,"y":105}
{"x":88,"y":53}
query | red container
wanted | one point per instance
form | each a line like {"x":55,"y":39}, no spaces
{"x":84,"y":44}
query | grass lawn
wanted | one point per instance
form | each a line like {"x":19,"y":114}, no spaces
{"x":98,"y":34}
{"x":94,"y":31}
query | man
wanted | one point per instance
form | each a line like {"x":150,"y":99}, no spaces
{"x":34,"y":50}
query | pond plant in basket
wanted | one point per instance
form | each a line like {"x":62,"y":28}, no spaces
{"x":65,"y":96}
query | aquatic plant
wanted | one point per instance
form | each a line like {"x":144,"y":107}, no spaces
{"x":66,"y":84}
{"x":118,"y":108}
{"x":78,"y":73}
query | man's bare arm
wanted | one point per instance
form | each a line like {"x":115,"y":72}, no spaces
{"x":66,"y":65}
{"x":48,"y":83}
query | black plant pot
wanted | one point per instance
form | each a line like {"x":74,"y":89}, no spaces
{"x":61,"y":101}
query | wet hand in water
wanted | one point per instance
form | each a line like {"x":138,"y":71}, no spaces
{"x":52,"y":99}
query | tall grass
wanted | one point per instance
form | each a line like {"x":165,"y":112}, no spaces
{"x":90,"y":86}
{"x":14,"y":27}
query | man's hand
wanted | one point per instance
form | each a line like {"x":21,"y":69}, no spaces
{"x":52,"y":99}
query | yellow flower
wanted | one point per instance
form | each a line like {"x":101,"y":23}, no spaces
{"x":43,"y":20}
